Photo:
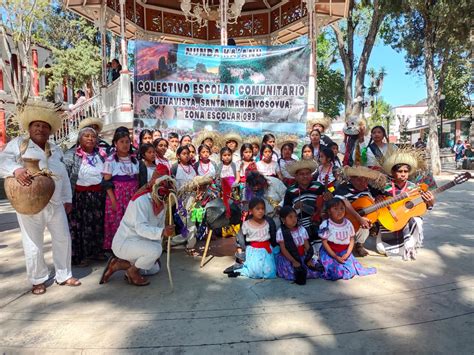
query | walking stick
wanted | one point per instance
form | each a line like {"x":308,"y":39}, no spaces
{"x":169,"y":221}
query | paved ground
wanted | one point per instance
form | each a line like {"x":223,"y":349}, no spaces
{"x":420,"y":306}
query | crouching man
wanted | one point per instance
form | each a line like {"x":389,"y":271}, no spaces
{"x":137,"y":245}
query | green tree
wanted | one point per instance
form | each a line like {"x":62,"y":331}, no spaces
{"x":433,"y":34}
{"x":74,"y":46}
{"x":331,"y":90}
{"x":365,"y":19}
{"x":18,"y":22}
{"x":380,"y":113}
{"x":457,"y":89}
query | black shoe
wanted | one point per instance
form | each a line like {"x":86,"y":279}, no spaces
{"x":232,"y":268}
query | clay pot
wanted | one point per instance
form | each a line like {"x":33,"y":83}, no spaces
{"x":30,"y":199}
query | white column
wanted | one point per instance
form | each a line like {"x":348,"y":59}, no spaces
{"x":125,"y":92}
{"x":312,"y":104}
{"x":223,"y":19}
{"x":103,"y":42}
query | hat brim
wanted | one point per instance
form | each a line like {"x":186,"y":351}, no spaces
{"x":91,"y":121}
{"x":34,"y":113}
{"x":308,"y":164}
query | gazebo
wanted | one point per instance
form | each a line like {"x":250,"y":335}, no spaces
{"x":248,"y":22}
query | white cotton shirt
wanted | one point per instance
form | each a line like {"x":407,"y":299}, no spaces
{"x":266,"y":169}
{"x":184,"y":175}
{"x":90,"y":174}
{"x":254,"y":232}
{"x":140,"y":221}
{"x":206,"y":169}
{"x":299,"y":235}
{"x":337,"y":233}
{"x":282,"y":164}
{"x":123,"y":167}
{"x":10,"y":160}
{"x":227,"y":171}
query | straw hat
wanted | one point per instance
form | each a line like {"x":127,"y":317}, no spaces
{"x":162,"y":187}
{"x":232,"y":136}
{"x":287,"y":139}
{"x":90,"y":121}
{"x":324,"y":121}
{"x":48,"y":113}
{"x":253,"y":140}
{"x":377,"y":178}
{"x":309,"y":164}
{"x":412,"y":157}
{"x":196,"y":182}
{"x":205,"y":134}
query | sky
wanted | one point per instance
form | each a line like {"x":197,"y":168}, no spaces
{"x":399,"y":88}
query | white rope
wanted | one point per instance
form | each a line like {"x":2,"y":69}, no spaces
{"x":171,"y":196}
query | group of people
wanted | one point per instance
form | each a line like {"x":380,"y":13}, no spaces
{"x":463,"y":155}
{"x":292,"y":213}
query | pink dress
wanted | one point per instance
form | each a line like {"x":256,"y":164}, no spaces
{"x":125,"y":179}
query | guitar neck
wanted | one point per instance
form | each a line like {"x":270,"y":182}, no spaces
{"x":403,"y":196}
{"x":386,"y":203}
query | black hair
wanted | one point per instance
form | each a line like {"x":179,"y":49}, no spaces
{"x":307,"y":146}
{"x":81,"y":92}
{"x":191,"y":145}
{"x":289,"y":145}
{"x":180,"y":150}
{"x":244,"y":147}
{"x":144,"y":148}
{"x":398,"y":166}
{"x":231,"y":42}
{"x":254,"y":202}
{"x":158,"y":140}
{"x":328,"y":153}
{"x":267,"y":137}
{"x":383,"y":131}
{"x":120,"y":133}
{"x":142,"y":134}
{"x":285,"y":211}
{"x":181,"y":140}
{"x":157,"y":130}
{"x":333,"y":144}
{"x":173,"y":135}
{"x":203,"y":146}
{"x":263,"y":147}
{"x":315,"y":130}
{"x":333,"y":202}
{"x":225,"y":150}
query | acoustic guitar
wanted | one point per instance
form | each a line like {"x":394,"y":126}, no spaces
{"x":394,"y":212}
{"x":395,"y":215}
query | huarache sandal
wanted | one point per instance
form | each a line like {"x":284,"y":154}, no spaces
{"x":136,"y":280}
{"x":72,"y":282}
{"x":38,"y":289}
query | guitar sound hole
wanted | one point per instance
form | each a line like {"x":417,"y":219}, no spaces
{"x":409,"y":205}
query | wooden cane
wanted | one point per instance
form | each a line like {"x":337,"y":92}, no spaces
{"x":206,"y":248}
{"x":168,"y":247}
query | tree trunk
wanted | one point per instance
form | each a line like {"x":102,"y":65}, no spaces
{"x":433,"y":145}
{"x":377,"y":18}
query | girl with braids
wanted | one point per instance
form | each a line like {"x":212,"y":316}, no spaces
{"x":120,"y":182}
{"x":246,"y":162}
{"x":377,"y":147}
{"x":183,"y":170}
{"x":266,"y":165}
{"x":294,"y":263}
{"x":163,"y":166}
{"x":205,"y":166}
{"x":269,"y":139}
{"x":315,"y":137}
{"x":326,"y":174}
{"x":147,"y":163}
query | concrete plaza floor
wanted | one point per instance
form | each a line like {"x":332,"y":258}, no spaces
{"x":425,"y":305}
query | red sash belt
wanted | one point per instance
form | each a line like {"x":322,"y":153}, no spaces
{"x":91,"y":188}
{"x":301,"y":250}
{"x":337,"y":248}
{"x":262,"y":245}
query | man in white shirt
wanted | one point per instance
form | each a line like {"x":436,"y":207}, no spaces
{"x":137,"y":243}
{"x":40,"y":122}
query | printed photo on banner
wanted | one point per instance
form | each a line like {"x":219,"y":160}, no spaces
{"x":188,"y":88}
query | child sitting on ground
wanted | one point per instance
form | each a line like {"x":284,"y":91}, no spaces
{"x":294,"y":263}
{"x":337,"y":234}
{"x":259,"y":260}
